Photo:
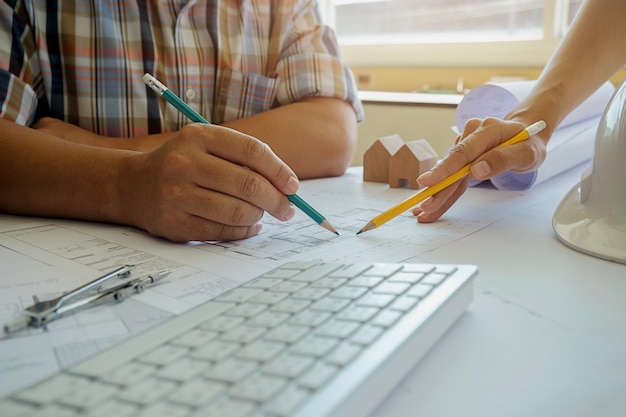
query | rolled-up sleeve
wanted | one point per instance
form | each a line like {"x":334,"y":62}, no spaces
{"x":310,"y":63}
{"x":19,"y":68}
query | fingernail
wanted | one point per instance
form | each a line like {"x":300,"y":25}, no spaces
{"x":257,"y":228}
{"x":290,"y":213}
{"x":481,"y":170}
{"x":292,"y":185}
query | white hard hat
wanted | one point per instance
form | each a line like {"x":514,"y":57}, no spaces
{"x":592,"y":216}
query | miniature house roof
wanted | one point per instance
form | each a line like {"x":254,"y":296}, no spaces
{"x":376,"y":158}
{"x":409,"y":162}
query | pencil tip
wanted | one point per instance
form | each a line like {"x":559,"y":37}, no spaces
{"x":369,"y":226}
{"x":325,"y":224}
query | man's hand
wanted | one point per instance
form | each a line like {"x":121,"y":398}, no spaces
{"x":206,"y":183}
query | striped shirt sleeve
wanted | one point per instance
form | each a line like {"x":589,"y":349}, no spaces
{"x":19,"y":67}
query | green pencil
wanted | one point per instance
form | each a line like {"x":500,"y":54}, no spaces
{"x":184,"y":108}
{"x":311,"y":212}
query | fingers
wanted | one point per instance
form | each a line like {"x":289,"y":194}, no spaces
{"x":207,"y":183}
{"x":231,"y":145}
{"x":434,"y":207}
{"x":245,"y":168}
{"x":478,"y":147}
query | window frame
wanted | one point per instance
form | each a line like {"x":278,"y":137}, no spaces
{"x":517,"y":53}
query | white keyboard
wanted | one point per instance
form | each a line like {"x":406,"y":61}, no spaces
{"x":305,"y":339}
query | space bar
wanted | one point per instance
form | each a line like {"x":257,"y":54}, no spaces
{"x":145,"y":342}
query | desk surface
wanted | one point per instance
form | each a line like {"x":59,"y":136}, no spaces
{"x":544,"y":336}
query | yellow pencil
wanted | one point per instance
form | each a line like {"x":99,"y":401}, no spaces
{"x":415,"y":199}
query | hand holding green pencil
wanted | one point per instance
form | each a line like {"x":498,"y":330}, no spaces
{"x":184,"y":108}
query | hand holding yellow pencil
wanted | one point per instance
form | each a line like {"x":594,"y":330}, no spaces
{"x":415,"y":199}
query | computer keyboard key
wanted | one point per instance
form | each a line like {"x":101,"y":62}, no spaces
{"x":351,"y":293}
{"x":162,"y":409}
{"x":195,"y":338}
{"x":366,"y":335}
{"x":228,"y":408}
{"x":286,"y":333}
{"x":394,"y":288}
{"x":434,"y":279}
{"x":259,"y":388}
{"x":243,"y":334}
{"x":231,"y":370}
{"x":318,"y":376}
{"x":261,"y":350}
{"x":247,"y":310}
{"x":183,"y":370}
{"x":343,"y":354}
{"x":316,"y":272}
{"x":164,"y":355}
{"x":89,"y":395}
{"x":419,"y":268}
{"x":310,"y":318}
{"x":147,"y":391}
{"x":388,"y":317}
{"x":357,"y":313}
{"x":330,"y":283}
{"x":198,"y":392}
{"x":12,"y":408}
{"x":266,"y":283}
{"x":289,"y":366}
{"x":310,"y":293}
{"x":382,"y":270}
{"x":331,"y":305}
{"x":54,"y":410}
{"x":287,"y":401}
{"x":409,"y":277}
{"x":215,"y":350}
{"x":269,"y":319}
{"x":339,"y":329}
{"x":239,"y":295}
{"x":405,"y":302}
{"x":56,"y":387}
{"x":375,"y":300}
{"x":350,"y":271}
{"x":114,"y":408}
{"x":222,"y":323}
{"x":314,"y":346}
{"x":364,"y":281}
{"x":420,"y":290}
{"x":269,"y":297}
{"x":129,"y":373}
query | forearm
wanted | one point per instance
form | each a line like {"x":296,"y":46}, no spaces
{"x":45,"y":176}
{"x":68,"y":132}
{"x":316,"y":137}
{"x":592,"y":51}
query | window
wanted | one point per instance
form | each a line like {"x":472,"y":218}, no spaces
{"x":449,"y":32}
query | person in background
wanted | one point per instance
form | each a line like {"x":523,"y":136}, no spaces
{"x":593,"y":50}
{"x":84,"y":138}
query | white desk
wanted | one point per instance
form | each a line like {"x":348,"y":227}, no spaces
{"x":545,"y":335}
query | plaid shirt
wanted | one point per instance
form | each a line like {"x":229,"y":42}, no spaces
{"x":83,"y":61}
